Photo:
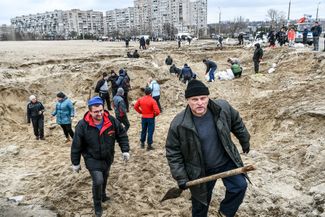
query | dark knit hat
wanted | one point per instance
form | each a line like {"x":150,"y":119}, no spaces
{"x":60,"y":95}
{"x":196,"y":88}
{"x":147,"y":90}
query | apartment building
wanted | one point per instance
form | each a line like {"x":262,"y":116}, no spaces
{"x":185,"y":15}
{"x":60,"y":24}
{"x":198,"y":18}
{"x":120,"y":21}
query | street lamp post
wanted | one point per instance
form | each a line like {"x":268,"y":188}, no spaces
{"x":219,"y":20}
{"x":317,"y":11}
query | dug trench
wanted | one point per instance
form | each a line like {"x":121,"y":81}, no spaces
{"x":283,"y":111}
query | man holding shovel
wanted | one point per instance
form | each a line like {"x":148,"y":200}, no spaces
{"x":199,"y":144}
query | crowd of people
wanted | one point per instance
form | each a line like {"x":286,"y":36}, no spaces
{"x":198,"y":142}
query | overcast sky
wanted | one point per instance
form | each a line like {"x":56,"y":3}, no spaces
{"x":249,"y":9}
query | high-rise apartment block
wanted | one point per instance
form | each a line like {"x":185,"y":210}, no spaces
{"x":61,"y":24}
{"x":120,"y":21}
{"x":154,"y":17}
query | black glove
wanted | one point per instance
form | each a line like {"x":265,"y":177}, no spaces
{"x":246,"y":150}
{"x":183,"y":186}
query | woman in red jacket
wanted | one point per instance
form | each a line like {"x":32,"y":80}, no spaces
{"x":149,"y":109}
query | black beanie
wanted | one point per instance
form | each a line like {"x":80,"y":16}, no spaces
{"x":196,"y":88}
{"x":147,"y":90}
{"x":60,"y":95}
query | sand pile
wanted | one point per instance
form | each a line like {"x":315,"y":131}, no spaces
{"x":284,"y":112}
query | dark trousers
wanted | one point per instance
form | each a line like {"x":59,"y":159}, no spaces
{"x":125,"y":121}
{"x":105,"y":97}
{"x":316,"y":43}
{"x":157,"y":98}
{"x":67,"y":130}
{"x":114,"y":91}
{"x":256,"y":66}
{"x":38,"y":126}
{"x":126,"y":100}
{"x":99,"y":179}
{"x":148,"y":124}
{"x":235,"y":192}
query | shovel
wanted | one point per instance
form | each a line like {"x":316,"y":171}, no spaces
{"x":176,"y":192}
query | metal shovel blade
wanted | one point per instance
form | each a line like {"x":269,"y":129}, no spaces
{"x":172,"y":193}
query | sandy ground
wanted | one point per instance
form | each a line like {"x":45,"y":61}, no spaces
{"x":284,"y":112}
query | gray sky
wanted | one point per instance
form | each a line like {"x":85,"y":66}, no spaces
{"x":249,"y":9}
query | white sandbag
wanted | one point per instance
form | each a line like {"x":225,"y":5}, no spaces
{"x":207,"y":77}
{"x":226,"y":75}
{"x":271,"y":70}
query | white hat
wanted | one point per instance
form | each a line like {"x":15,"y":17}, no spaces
{"x":32,"y":97}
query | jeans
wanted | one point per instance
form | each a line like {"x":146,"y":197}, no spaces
{"x":316,"y":43}
{"x":105,"y":97}
{"x":38,"y":126}
{"x":157,"y":98}
{"x":67,"y":130}
{"x":211,"y":73}
{"x":256,"y":66}
{"x":125,"y":121}
{"x":99,"y":179}
{"x":235,"y":192}
{"x":148,"y":124}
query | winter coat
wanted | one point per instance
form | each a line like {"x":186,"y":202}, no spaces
{"x":187,"y":72}
{"x":210,"y":64}
{"x":258,"y":54}
{"x":169,"y":61}
{"x":119,"y":106}
{"x":64,"y":110}
{"x":99,"y":84}
{"x":33,"y":110}
{"x":98,"y":147}
{"x":235,"y":68}
{"x":317,"y":31}
{"x":155,"y":88}
{"x":183,"y":148}
{"x":291,"y":35}
{"x":147,"y":106}
{"x":113,"y":79}
{"x":123,"y":81}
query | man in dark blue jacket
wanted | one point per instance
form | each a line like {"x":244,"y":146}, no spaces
{"x":35,"y":111}
{"x":211,"y":69}
{"x":94,"y":139}
{"x":317,"y":31}
{"x":186,"y":74}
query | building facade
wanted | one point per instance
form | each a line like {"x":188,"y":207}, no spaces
{"x":120,"y":22}
{"x":60,"y":24}
{"x":158,"y":18}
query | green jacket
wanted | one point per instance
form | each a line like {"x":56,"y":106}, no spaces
{"x":183,"y":148}
{"x":235,"y":68}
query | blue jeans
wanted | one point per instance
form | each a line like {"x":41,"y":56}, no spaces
{"x":235,"y":192}
{"x":148,"y":124}
{"x":211,"y":73}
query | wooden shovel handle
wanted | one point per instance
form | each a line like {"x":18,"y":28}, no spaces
{"x":233,"y":172}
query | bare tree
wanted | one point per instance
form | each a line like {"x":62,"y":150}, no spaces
{"x":239,"y":24}
{"x":276,"y":17}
